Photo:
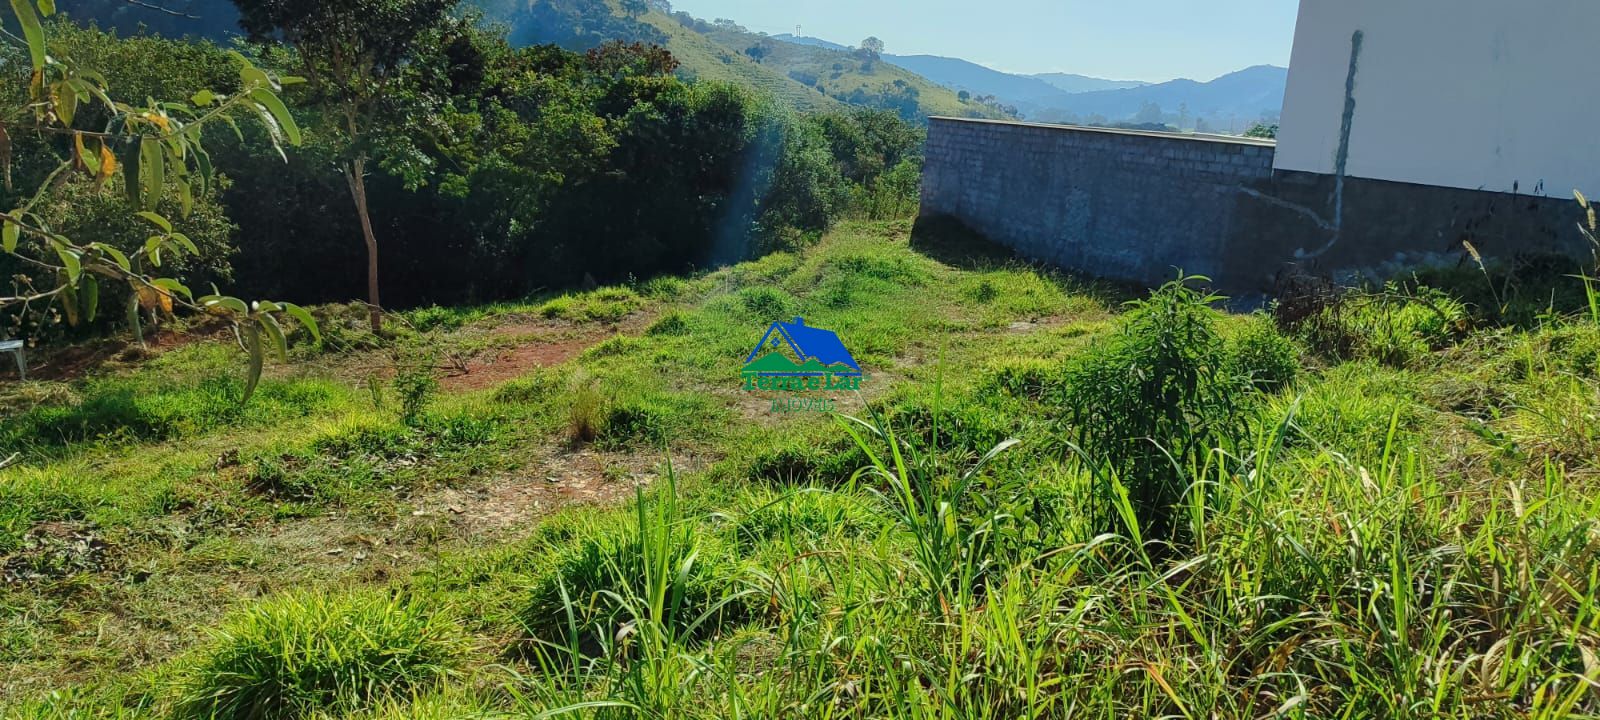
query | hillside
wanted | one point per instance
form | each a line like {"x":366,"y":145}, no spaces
{"x":843,"y":75}
{"x":702,"y":57}
{"x":592,"y":515}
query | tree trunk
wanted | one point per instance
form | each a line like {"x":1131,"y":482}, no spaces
{"x":355,"y":173}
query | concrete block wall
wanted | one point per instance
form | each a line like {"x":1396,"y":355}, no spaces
{"x":1118,"y":204}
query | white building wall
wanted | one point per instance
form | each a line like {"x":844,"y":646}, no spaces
{"x":1474,"y":94}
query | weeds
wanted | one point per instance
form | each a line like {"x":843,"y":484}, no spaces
{"x":1150,"y":406}
{"x":299,"y":654}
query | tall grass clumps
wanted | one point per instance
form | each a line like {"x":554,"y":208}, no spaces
{"x":1147,"y":407}
{"x":661,"y":579}
{"x":312,"y":652}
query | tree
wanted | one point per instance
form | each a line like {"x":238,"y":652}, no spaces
{"x":635,"y":8}
{"x":1262,"y":130}
{"x":355,"y":54}
{"x":869,"y":52}
{"x":72,"y":123}
{"x":964,"y":96}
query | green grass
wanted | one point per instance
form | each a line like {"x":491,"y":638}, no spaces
{"x":1397,"y":519}
{"x":289,"y":656}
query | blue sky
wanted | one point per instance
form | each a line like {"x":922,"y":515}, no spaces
{"x":1139,"y":40}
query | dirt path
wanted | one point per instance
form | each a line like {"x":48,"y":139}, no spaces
{"x":519,"y":348}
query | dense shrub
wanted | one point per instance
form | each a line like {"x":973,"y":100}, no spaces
{"x":298,"y":654}
{"x":1268,"y":359}
{"x":1149,"y":404}
{"x":543,"y":168}
{"x":1396,"y":326}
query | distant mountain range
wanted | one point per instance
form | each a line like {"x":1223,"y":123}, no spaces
{"x":1071,"y":83}
{"x":1230,"y":103}
{"x":811,"y":73}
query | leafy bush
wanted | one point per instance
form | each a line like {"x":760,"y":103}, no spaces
{"x":297,"y":654}
{"x":1260,"y":354}
{"x":1149,"y":404}
{"x":1396,"y":327}
{"x":415,"y":384}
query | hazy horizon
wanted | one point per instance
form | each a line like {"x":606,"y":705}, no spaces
{"x":1154,"y":42}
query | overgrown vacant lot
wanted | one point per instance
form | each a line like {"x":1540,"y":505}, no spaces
{"x":1387,"y":512}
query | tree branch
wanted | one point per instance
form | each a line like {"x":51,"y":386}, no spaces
{"x":160,"y":9}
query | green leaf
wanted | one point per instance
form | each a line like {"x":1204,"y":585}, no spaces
{"x":69,"y":304}
{"x":185,"y":195}
{"x":251,"y":335}
{"x":172,"y":286}
{"x":251,"y":75}
{"x":279,"y":112}
{"x":187,"y":244}
{"x":304,"y":318}
{"x":156,"y":220}
{"x":287,"y":80}
{"x":31,"y":30}
{"x":234,"y":305}
{"x":47,"y":7}
{"x":116,"y":255}
{"x":275,"y":333}
{"x":70,"y":259}
{"x":9,"y":236}
{"x":90,"y":298}
{"x":204,"y":98}
{"x":152,"y":172}
{"x":91,"y":160}
{"x":66,"y":100}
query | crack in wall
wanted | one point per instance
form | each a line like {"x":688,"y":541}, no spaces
{"x":1341,"y":161}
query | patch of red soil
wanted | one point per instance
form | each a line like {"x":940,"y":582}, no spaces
{"x":538,"y":345}
{"x":514,"y":362}
{"x":76,"y":361}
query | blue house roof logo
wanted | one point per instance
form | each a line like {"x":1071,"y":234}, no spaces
{"x":812,"y":352}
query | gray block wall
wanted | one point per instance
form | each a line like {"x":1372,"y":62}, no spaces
{"x":1111,"y":203}
{"x":1133,"y":206}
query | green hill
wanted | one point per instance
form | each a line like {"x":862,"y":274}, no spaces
{"x":842,"y":75}
{"x":702,"y":57}
{"x":799,"y":76}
